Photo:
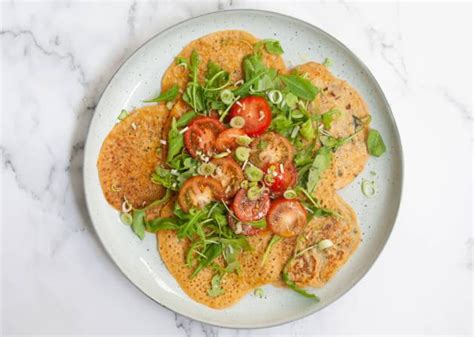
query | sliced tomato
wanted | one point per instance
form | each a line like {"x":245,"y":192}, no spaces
{"x":250,"y":210}
{"x":199,"y":191}
{"x":279,"y":177}
{"x":242,"y":228}
{"x":286,"y":218}
{"x":271,"y":148}
{"x":201,"y":135}
{"x":255,"y":111}
{"x":227,"y":139}
{"x":229,"y":174}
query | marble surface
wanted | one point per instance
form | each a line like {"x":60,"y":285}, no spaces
{"x":56,"y":58}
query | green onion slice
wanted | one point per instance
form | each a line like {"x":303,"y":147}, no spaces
{"x":242,"y":153}
{"x":237,"y":122}
{"x":253,"y":173}
{"x":325,"y":244}
{"x":206,"y":169}
{"x":227,"y":96}
{"x":126,"y":218}
{"x":290,"y":194}
{"x":123,"y":115}
{"x":368,"y":188}
{"x":243,"y":140}
{"x":254,"y":192}
{"x":275,"y":96}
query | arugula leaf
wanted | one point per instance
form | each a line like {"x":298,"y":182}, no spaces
{"x":211,"y":253}
{"x":160,"y":224}
{"x":216,"y":289}
{"x":138,"y":223}
{"x":175,"y":141}
{"x":321,"y":162}
{"x":307,"y":130}
{"x":292,"y":285}
{"x":185,"y":119}
{"x":273,"y":47}
{"x":328,"y":117}
{"x":300,"y":87}
{"x":273,"y":241}
{"x":166,"y":96}
{"x":375,"y":143}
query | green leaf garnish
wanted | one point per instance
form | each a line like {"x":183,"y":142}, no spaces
{"x":321,"y":162}
{"x":300,"y":87}
{"x":175,"y":141}
{"x":216,"y":289}
{"x":166,"y":96}
{"x":375,"y":143}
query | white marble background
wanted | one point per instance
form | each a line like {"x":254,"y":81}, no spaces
{"x":56,"y":59}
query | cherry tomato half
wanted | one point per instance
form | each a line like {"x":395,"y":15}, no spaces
{"x":227,"y":139}
{"x":229,"y":174}
{"x":279,"y":177}
{"x":250,"y":210}
{"x":245,"y":229}
{"x":199,"y":191}
{"x":271,"y":148}
{"x":256,"y":113}
{"x":286,"y":218}
{"x":201,"y":135}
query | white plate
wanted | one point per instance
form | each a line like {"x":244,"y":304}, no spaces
{"x":139,"y":78}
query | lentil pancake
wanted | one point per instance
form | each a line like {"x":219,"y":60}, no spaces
{"x":218,"y":246}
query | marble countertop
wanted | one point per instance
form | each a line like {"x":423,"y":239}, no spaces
{"x":56,"y":58}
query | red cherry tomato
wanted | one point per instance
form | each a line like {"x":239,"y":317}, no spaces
{"x":255,"y":111}
{"x":245,"y":229}
{"x":227,"y":139}
{"x":280,"y":177}
{"x":286,"y":218}
{"x":229,"y":174}
{"x":201,"y":135}
{"x":250,"y":210}
{"x":199,"y":191}
{"x":271,"y":148}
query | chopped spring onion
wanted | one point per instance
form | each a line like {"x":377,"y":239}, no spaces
{"x":237,"y":122}
{"x":221,"y":155}
{"x":227,"y":96}
{"x":291,"y":100}
{"x":253,"y":173}
{"x":275,"y":96}
{"x":206,"y":169}
{"x":169,"y":105}
{"x":254,"y":192}
{"x":325,"y":244}
{"x":297,"y":114}
{"x":259,"y":292}
{"x":243,"y":140}
{"x":126,"y":218}
{"x":242,"y":153}
{"x":239,"y":83}
{"x":123,"y":115}
{"x":290,"y":194}
{"x":244,"y":184}
{"x":115,"y":188}
{"x":368,"y":188}
{"x":295,"y":131}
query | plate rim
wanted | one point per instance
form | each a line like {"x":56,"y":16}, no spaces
{"x":384,"y":101}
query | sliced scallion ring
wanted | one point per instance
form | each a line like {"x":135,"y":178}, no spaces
{"x":244,"y":184}
{"x":259,"y":292}
{"x":243,"y":140}
{"x":295,"y":131}
{"x":242,"y":153}
{"x":123,"y":115}
{"x":237,"y":122}
{"x":206,"y":169}
{"x":290,"y":194}
{"x":126,"y":218}
{"x":253,"y":173}
{"x":368,"y":188}
{"x":126,"y":207}
{"x":275,"y":96}
{"x":254,"y":192}
{"x":227,"y":96}
{"x":297,"y":114}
